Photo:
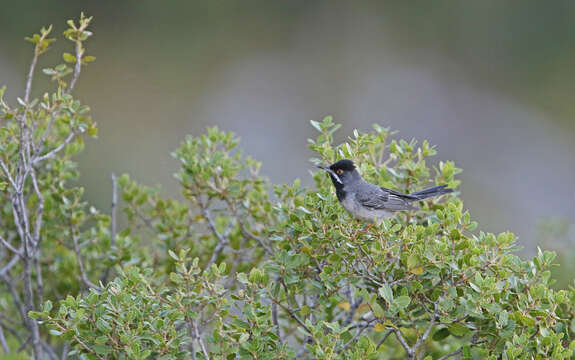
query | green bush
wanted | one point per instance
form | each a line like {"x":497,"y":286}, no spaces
{"x":243,"y":270}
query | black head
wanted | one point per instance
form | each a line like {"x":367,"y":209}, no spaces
{"x":341,"y":171}
{"x":342,"y":166}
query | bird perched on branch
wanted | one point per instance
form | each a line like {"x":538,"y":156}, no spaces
{"x":368,"y":202}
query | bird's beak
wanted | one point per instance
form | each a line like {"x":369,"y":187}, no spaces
{"x":330,"y":171}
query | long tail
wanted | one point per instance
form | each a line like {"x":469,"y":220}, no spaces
{"x":432,"y":191}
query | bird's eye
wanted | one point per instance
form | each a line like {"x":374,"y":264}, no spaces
{"x":339,"y":171}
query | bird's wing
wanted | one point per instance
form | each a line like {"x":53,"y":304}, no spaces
{"x":379,"y":198}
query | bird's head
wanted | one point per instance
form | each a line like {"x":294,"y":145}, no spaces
{"x":341,"y":172}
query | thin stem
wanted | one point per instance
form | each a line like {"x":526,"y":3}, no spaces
{"x":222,"y":239}
{"x":113,"y":226}
{"x":403,"y":342}
{"x":10,"y":247}
{"x":200,"y":341}
{"x":460,"y":350}
{"x":7,"y":174}
{"x":65,"y":350}
{"x":276,"y":322}
{"x":83,"y":275}
{"x":389,"y":332}
{"x":78,"y":65}
{"x":10,"y":265}
{"x":3,"y":342}
{"x":292,"y":314}
{"x":434,"y":319}
{"x":354,"y":339}
{"x":59,"y":148}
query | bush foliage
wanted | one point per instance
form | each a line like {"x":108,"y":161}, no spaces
{"x":241,"y":269}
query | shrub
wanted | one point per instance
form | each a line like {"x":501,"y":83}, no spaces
{"x":239,"y":269}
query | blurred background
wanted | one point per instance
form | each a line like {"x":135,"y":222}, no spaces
{"x":491,"y":83}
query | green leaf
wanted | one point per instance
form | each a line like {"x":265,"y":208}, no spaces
{"x":316,"y":125}
{"x":47,"y":306}
{"x":173,"y":255}
{"x":402,"y":301}
{"x":458,"y":329}
{"x":69,"y":58}
{"x":412,"y":261}
{"x":441,"y":334}
{"x":386,"y":293}
{"x":378,"y":311}
{"x":242,"y":278}
{"x":88,"y":59}
{"x":466,"y":352}
{"x":55,"y":332}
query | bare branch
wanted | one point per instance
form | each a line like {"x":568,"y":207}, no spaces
{"x":56,"y":150}
{"x":356,"y":336}
{"x":87,"y":348}
{"x":200,"y":341}
{"x":460,"y":350}
{"x":292,"y":314}
{"x":222,"y":239}
{"x":29,"y":298}
{"x":65,"y":350}
{"x":113,"y":225}
{"x":30,"y":77}
{"x":51,"y":353}
{"x":10,"y":247}
{"x":10,"y":264}
{"x":33,"y":66}
{"x":39,"y":279}
{"x":14,"y":294}
{"x":246,"y":232}
{"x":354,"y":304}
{"x":40,"y":146}
{"x":77,"y":65}
{"x":83,"y":275}
{"x":403,"y":342}
{"x":3,"y":342}
{"x":389,"y":332}
{"x":114,"y":207}
{"x":39,"y":208}
{"x":276,"y":322}
{"x":7,"y":174}
{"x":434,"y":319}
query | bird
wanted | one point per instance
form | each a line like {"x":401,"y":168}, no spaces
{"x":369,"y":202}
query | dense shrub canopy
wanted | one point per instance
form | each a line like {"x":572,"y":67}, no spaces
{"x":238,"y":269}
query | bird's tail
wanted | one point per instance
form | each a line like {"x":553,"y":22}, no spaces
{"x":432,"y":191}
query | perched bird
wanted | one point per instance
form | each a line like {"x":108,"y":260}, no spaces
{"x":369,"y":202}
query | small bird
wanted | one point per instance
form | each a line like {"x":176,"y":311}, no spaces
{"x":368,"y":202}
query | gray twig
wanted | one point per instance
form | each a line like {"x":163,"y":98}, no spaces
{"x":403,"y":342}
{"x":384,"y":338}
{"x":65,"y":350}
{"x":53,"y":152}
{"x":275,"y":321}
{"x":200,"y":341}
{"x":77,"y":65}
{"x":10,"y":247}
{"x":83,"y":275}
{"x":3,"y":342}
{"x":222,"y":239}
{"x":356,"y":336}
{"x":113,"y":226}
{"x":460,"y":350}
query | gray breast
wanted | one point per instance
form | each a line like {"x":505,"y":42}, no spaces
{"x":359,"y":212}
